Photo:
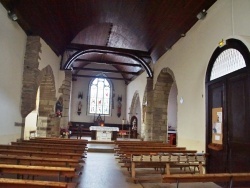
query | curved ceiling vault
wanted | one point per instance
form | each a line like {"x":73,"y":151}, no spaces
{"x":125,"y":35}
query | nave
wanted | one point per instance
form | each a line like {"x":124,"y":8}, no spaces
{"x":102,"y":170}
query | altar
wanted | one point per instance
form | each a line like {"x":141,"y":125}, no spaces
{"x":103,"y":133}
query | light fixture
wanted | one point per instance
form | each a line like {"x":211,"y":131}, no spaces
{"x":12,"y":15}
{"x":181,"y":100}
{"x":201,"y":15}
{"x":222,"y":43}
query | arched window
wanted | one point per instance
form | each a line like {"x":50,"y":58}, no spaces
{"x":228,"y":61}
{"x":99,"y":96}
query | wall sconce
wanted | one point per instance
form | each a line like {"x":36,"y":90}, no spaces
{"x":12,"y":15}
{"x":201,"y":15}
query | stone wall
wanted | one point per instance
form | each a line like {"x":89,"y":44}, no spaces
{"x":65,"y":90}
{"x":31,"y":75}
{"x":48,"y":124}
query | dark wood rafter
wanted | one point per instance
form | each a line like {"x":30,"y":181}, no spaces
{"x":83,"y":47}
{"x":90,"y":76}
{"x":105,"y":70}
{"x":107,"y":30}
{"x":109,"y":62}
{"x":75,"y":56}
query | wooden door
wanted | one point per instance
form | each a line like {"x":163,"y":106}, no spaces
{"x":233,"y":95}
{"x":217,"y":160}
{"x":238,"y":123}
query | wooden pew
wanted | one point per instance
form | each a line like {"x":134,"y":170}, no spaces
{"x":55,"y":143}
{"x":39,"y":161}
{"x":19,"y":183}
{"x":126,"y":147}
{"x":41,"y":153}
{"x":151,"y":149}
{"x":28,"y":142}
{"x":217,"y":177}
{"x":59,"y":140}
{"x":128,"y":143}
{"x":44,"y":148}
{"x":58,"y":172}
{"x":165,"y":161}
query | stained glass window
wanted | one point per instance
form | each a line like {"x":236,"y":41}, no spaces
{"x":99,"y":100}
{"x":228,"y":61}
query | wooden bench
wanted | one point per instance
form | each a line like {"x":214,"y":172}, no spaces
{"x":58,"y":172}
{"x":39,"y":161}
{"x":41,"y":154}
{"x":59,"y":140}
{"x":49,"y":144}
{"x":19,"y":183}
{"x":165,"y":161}
{"x":44,"y":149}
{"x":217,"y":177}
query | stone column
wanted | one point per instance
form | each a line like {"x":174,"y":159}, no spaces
{"x":149,"y":115}
{"x":65,"y":89}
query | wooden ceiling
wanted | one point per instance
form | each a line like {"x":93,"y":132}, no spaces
{"x":119,"y":37}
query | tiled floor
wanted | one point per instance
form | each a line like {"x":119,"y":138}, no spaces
{"x":101,"y":170}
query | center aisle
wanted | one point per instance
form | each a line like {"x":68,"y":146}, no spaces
{"x":101,"y":170}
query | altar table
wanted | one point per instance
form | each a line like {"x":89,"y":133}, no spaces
{"x":104,"y":133}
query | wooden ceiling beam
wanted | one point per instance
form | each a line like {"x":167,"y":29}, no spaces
{"x":83,"y":47}
{"x":105,"y":70}
{"x":110,"y":62}
{"x":90,"y":76}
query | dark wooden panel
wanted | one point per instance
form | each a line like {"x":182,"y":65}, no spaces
{"x":217,"y":160}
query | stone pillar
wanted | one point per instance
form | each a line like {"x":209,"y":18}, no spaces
{"x":160,"y":111}
{"x":65,"y":89}
{"x":148,"y":130}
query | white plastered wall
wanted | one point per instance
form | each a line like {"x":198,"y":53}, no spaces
{"x":12,"y":50}
{"x":188,"y":59}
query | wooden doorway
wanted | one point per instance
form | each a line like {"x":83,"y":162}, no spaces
{"x":231,"y":93}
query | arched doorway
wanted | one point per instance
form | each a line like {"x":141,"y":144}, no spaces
{"x":161,"y":101}
{"x":135,"y":112}
{"x":228,"y":107}
{"x":31,"y":120}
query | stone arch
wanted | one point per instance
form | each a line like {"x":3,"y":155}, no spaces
{"x":144,"y":114}
{"x":134,"y":103}
{"x":161,"y":92}
{"x":65,"y":91}
{"x":31,"y":75}
{"x":135,"y":110}
{"x":47,"y":125}
{"x":47,"y":92}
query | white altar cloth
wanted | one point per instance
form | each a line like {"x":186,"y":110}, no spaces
{"x":103,"y":133}
{"x":100,"y":128}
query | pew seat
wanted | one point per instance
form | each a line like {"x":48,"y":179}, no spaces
{"x":58,"y":172}
{"x":215,"y":177}
{"x":19,"y":183}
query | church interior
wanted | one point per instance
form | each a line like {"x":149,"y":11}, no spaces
{"x":125,"y":93}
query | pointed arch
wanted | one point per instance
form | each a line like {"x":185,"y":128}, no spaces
{"x":47,"y":92}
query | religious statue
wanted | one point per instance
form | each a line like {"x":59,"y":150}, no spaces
{"x":59,"y":107}
{"x":79,"y":108}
